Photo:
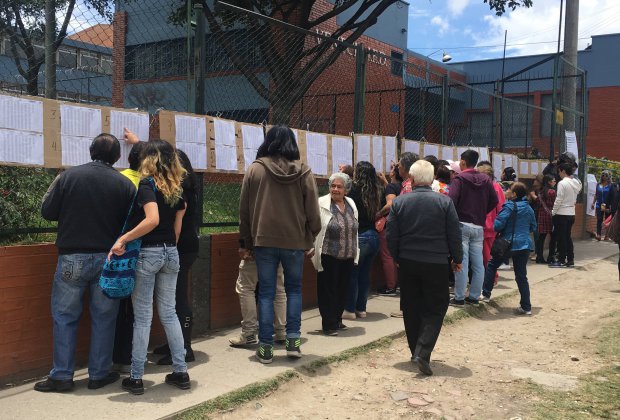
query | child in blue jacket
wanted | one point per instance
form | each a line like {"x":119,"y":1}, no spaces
{"x":521,"y":243}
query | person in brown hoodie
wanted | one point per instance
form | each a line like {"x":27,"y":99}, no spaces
{"x":279,"y":219}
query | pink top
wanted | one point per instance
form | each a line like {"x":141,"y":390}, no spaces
{"x":488,"y":226}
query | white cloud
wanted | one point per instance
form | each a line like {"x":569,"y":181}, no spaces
{"x":441,"y":23}
{"x":456,"y":7}
{"x":540,"y":23}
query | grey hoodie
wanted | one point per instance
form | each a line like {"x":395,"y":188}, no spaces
{"x":568,"y":189}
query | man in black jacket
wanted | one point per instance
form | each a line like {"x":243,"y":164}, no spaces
{"x":423,"y":231}
{"x":90,"y":203}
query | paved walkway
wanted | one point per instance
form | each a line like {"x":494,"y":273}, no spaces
{"x":220,"y":369}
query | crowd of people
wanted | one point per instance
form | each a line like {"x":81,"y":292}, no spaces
{"x":434,"y":223}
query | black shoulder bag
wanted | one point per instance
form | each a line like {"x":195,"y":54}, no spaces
{"x":501,"y":246}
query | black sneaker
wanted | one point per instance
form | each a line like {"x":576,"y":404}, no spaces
{"x":54,"y":385}
{"x":330,"y":333}
{"x":471,"y":301}
{"x":556,"y":264}
{"x":423,"y":366}
{"x":293,"y":347}
{"x":386,"y":291}
{"x":264,"y":353}
{"x":569,"y":264}
{"x":133,"y":386}
{"x":341,"y":326}
{"x":100,"y":383}
{"x":457,"y":303}
{"x":179,"y":379}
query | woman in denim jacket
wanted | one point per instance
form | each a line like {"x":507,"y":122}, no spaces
{"x":521,"y":243}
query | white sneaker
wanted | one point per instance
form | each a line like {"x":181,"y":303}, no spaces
{"x":348,"y":315}
{"x":521,"y":311}
{"x":504,"y":267}
{"x":360,"y":314}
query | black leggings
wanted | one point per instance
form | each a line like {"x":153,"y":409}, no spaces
{"x":183,"y":305}
{"x":540,"y":246}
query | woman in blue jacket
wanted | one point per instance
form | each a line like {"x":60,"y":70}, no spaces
{"x":521,"y":243}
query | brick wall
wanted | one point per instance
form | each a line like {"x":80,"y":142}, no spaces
{"x":119,"y":26}
{"x":603,"y":122}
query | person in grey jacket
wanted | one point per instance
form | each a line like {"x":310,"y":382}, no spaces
{"x":423,"y":231}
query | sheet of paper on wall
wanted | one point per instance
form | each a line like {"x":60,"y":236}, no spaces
{"x":21,"y":147}
{"x":390,"y":151}
{"x":342,"y":152}
{"x":483,"y":154}
{"x":447,"y":152}
{"x":21,"y":114}
{"x":508,"y":161}
{"x":377,"y":153}
{"x":225,"y":145}
{"x":412,"y":147}
{"x":363,"y":148}
{"x":190,"y":129}
{"x":430,"y":150}
{"x":497,"y":165}
{"x":75,"y":150}
{"x":136,"y":122}
{"x":459,"y":151}
{"x":77,"y":121}
{"x":316,"y":145}
{"x":534,"y":168}
{"x":524,"y":168}
{"x":253,"y":137}
{"x":571,"y":145}
{"x":197,"y":153}
{"x":591,"y":191}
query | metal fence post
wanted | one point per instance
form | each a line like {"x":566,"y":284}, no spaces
{"x":445,"y":100}
{"x":360,"y":88}
{"x":199,"y":60}
{"x":50,"y":53}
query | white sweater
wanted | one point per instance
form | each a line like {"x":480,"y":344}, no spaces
{"x":568,"y":189}
{"x":325,"y":203}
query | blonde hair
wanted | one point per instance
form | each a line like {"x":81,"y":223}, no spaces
{"x":160,"y":161}
{"x":486,"y":169}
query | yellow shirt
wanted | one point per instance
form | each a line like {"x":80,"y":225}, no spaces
{"x":134,"y":176}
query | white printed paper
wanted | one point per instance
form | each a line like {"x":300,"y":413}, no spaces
{"x":21,"y":114}
{"x":225,"y":145}
{"x":412,"y":147}
{"x":191,"y":137}
{"x":377,"y":153}
{"x":571,"y":145}
{"x":431,"y":149}
{"x":498,"y":165}
{"x":363,"y":148}
{"x":197,"y":154}
{"x":524,"y":168}
{"x":447,"y":152}
{"x":591,"y":189}
{"x":21,"y":147}
{"x":508,"y":161}
{"x":535,"y":168}
{"x":136,"y":122}
{"x":316,"y":146}
{"x":75,"y":150}
{"x":484,"y":153}
{"x":390,"y":151}
{"x":253,"y":137}
{"x":342,"y":152}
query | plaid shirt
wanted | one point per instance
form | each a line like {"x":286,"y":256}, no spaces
{"x":545,"y":224}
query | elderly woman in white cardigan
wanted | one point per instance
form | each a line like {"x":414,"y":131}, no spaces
{"x":336,"y":250}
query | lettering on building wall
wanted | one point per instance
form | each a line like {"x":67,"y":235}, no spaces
{"x":374,"y":55}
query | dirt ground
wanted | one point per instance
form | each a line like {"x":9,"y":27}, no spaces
{"x":479,"y":363}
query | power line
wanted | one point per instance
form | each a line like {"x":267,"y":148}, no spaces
{"x":487,"y":46}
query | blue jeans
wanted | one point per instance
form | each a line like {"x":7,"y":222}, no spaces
{"x":76,"y":273}
{"x":267,"y":261}
{"x":156,"y":272}
{"x":357,"y":295}
{"x":473,"y":238}
{"x":519,"y":264}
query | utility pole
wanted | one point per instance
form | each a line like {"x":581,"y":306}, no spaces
{"x":569,"y":66}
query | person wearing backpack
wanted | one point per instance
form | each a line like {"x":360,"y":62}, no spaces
{"x":514,"y":223}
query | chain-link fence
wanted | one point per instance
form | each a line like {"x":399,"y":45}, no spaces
{"x":149,"y":56}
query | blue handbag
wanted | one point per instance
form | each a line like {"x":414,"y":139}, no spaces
{"x":118,"y":276}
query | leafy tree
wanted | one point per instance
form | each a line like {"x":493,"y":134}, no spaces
{"x":292,"y":62}
{"x":23,"y":21}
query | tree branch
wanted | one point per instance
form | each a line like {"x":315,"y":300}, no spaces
{"x":63,"y":30}
{"x":334,"y":12}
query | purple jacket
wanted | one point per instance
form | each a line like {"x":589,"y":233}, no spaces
{"x":473,"y":195}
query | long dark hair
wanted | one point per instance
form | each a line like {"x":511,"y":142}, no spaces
{"x":279,"y":141}
{"x":545,"y":184}
{"x":189,"y":181}
{"x":365,"y":179}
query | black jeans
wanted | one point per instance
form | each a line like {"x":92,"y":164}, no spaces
{"x":124,"y":333}
{"x":183,"y":305}
{"x":540,"y":246}
{"x":331,"y":287}
{"x":519,"y":265}
{"x":562,"y":226}
{"x":424,"y":298}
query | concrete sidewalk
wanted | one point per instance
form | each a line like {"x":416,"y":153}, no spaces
{"x":220,"y":369}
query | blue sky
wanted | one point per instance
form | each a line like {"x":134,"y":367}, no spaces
{"x":468,"y":30}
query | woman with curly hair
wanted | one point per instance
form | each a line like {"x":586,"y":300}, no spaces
{"x":156,"y":218}
{"x":367,"y":194}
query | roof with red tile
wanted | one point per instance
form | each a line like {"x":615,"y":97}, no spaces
{"x":100,"y":34}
